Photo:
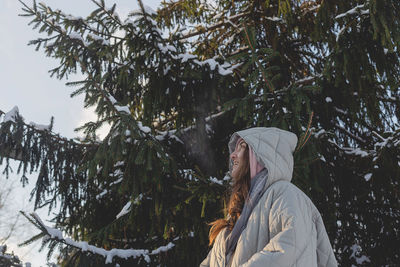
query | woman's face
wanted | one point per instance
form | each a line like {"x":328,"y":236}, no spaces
{"x":237,"y":156}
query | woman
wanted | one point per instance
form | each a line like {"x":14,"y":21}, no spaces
{"x":270,"y":221}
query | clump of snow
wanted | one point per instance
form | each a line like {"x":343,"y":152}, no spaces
{"x":227,"y":177}
{"x":112,"y":99}
{"x":102,"y":194}
{"x":188,"y":174}
{"x":339,"y":34}
{"x":319,"y":133}
{"x":144,"y":129}
{"x":125,"y":210}
{"x":354,"y":10}
{"x":340,"y":110}
{"x":356,"y":151}
{"x":368,"y":176}
{"x":328,"y":99}
{"x":40,"y":127}
{"x":186,"y":56}
{"x":119,"y":164}
{"x":215,"y":180}
{"x":149,"y":10}
{"x":224,"y":69}
{"x":11,"y":115}
{"x":356,"y":249}
{"x":162,"y":248}
{"x":70,"y":17}
{"x":273,"y":18}
{"x":117,"y":106}
{"x":99,"y":39}
{"x":117,"y":173}
{"x":77,"y":36}
{"x":137,"y":200}
{"x":122,"y":109}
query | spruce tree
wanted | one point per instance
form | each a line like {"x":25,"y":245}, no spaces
{"x":175,"y":83}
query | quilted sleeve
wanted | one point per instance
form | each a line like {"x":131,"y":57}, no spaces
{"x":290,"y":231}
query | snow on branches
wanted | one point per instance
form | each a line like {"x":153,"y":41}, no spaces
{"x":57,"y":235}
{"x":11,"y":115}
{"x":356,"y":10}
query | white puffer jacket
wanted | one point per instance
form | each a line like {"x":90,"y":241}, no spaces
{"x":285,"y":228}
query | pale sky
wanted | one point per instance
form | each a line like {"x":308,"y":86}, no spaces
{"x":26,"y":83}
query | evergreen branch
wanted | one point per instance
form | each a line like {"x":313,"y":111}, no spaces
{"x":304,"y":139}
{"x":389,"y":99}
{"x":359,"y":139}
{"x":378,"y":135}
{"x":238,"y":51}
{"x":308,"y":128}
{"x":57,"y":28}
{"x":56,"y":235}
{"x":110,"y":100}
{"x":108,"y":12}
{"x":54,"y":136}
{"x":346,"y":26}
{"x":209,"y":119}
{"x":83,"y":66}
{"x":150,"y":25}
{"x":357,"y":9}
{"x":256,"y":61}
{"x":204,"y":29}
{"x":38,"y":150}
{"x":87,"y":27}
{"x":8,"y":259}
{"x":305,"y":81}
{"x":85,"y":24}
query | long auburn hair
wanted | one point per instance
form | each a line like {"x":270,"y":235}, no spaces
{"x":238,"y":193}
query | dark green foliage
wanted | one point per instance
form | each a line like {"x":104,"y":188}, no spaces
{"x":8,"y":259}
{"x":172,"y":103}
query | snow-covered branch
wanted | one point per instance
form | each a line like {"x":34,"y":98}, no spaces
{"x":350,"y":134}
{"x":356,"y":10}
{"x":57,"y":235}
{"x":127,"y":208}
{"x":13,"y":115}
{"x":352,"y":151}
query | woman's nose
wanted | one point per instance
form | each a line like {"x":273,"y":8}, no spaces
{"x":233,"y":155}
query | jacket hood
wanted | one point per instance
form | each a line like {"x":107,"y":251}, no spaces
{"x":273,"y":148}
